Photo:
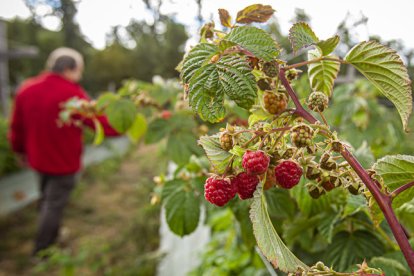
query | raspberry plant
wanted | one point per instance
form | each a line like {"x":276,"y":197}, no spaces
{"x":244,"y":66}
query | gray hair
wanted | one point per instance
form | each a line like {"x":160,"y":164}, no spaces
{"x":62,"y":59}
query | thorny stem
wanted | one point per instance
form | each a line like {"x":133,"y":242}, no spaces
{"x":383,"y":200}
{"x":401,"y":189}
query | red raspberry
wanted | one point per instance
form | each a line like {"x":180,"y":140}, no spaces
{"x":246,"y":184}
{"x":166,"y":114}
{"x":288,"y":174}
{"x":255,"y":162}
{"x":219,"y":191}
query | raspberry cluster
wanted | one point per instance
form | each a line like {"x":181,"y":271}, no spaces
{"x":226,"y":141}
{"x":301,"y":136}
{"x":255,"y":162}
{"x":318,"y":101}
{"x":274,"y":103}
{"x":219,"y":191}
{"x":288,"y":174}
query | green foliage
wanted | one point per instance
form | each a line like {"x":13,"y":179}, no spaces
{"x":267,"y":238}
{"x":383,"y":67}
{"x":322,"y":74}
{"x":8,"y":161}
{"x":138,"y":128}
{"x":218,"y":157}
{"x":121,"y":114}
{"x":328,"y":46}
{"x":196,"y":58}
{"x":301,"y":36}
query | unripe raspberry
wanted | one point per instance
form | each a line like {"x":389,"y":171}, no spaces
{"x":312,"y":172}
{"x":292,"y":74}
{"x":337,"y":146}
{"x":329,"y":182}
{"x":246,"y":184}
{"x":318,"y":101}
{"x":315,"y":191}
{"x":270,"y":69}
{"x":263,"y":84}
{"x":327,"y":163}
{"x":274,"y":103}
{"x":288,"y":153}
{"x":301,"y":136}
{"x":354,"y":187}
{"x":255,"y":162}
{"x":219,"y":191}
{"x":270,"y":178}
{"x":226,"y":141}
{"x":288,"y":174}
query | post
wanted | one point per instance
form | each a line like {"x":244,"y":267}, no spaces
{"x":4,"y":70}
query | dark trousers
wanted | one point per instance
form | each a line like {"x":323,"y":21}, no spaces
{"x":55,"y":191}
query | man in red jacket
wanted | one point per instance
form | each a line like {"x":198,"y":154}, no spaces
{"x":52,"y":150}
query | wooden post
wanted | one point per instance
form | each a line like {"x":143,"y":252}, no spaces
{"x":4,"y":70}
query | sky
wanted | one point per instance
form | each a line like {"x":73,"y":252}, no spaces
{"x":388,"y":19}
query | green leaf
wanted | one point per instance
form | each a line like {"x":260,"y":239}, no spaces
{"x":182,"y":211}
{"x":105,"y":99}
{"x":197,"y":56}
{"x":383,"y":67}
{"x":391,"y":267}
{"x":326,"y":226}
{"x":280,"y":204}
{"x":237,"y":80}
{"x":171,"y":187}
{"x":255,"y":40}
{"x":218,"y":157}
{"x":267,"y":238}
{"x":301,"y":36}
{"x":121,"y":114}
{"x":241,"y":212}
{"x":352,"y":248}
{"x":138,"y":128}
{"x":157,"y":130}
{"x":181,"y":146}
{"x":328,"y":46}
{"x":322,"y":74}
{"x":99,"y":132}
{"x":205,"y":96}
{"x":255,"y":13}
{"x":395,"y":170}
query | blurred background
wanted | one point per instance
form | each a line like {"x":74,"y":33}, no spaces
{"x":143,"y":41}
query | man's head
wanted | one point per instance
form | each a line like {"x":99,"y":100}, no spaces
{"x":66,"y":62}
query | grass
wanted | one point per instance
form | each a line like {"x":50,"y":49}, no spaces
{"x":110,"y":227}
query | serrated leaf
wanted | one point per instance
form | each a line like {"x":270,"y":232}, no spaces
{"x":395,"y":170}
{"x":197,"y":56}
{"x":225,"y":18}
{"x":327,"y":46}
{"x":181,"y":146}
{"x":182,"y":211}
{"x":255,"y":13}
{"x":352,"y":248}
{"x":157,"y":130}
{"x":218,"y":157}
{"x":391,"y":267}
{"x":237,"y":80}
{"x":326,"y":226}
{"x":138,"y":128}
{"x":205,"y":96}
{"x":255,"y":40}
{"x":99,"y":132}
{"x":383,"y":67}
{"x":301,"y":36}
{"x":322,"y":74}
{"x":121,"y":114}
{"x":267,"y":238}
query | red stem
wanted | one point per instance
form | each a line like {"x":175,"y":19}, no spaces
{"x":401,"y":189}
{"x":384,"y":201}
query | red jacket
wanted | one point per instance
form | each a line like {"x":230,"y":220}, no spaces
{"x":34,"y":130}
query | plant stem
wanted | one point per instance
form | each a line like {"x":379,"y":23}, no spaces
{"x":401,"y":189}
{"x":384,"y":201}
{"x":300,"y":64}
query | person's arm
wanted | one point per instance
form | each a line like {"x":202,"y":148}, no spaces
{"x":16,"y":129}
{"x":107,"y":128}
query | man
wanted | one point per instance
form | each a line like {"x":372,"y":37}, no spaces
{"x":52,"y":150}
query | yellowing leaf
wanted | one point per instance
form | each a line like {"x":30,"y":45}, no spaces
{"x":225,"y":18}
{"x":255,"y":13}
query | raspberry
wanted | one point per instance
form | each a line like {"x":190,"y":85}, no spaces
{"x":313,"y":172}
{"x":263,"y":84}
{"x":354,"y":187}
{"x":301,"y":136}
{"x":246,"y":184}
{"x":315,"y":191}
{"x":329,"y":182}
{"x":327,"y":163}
{"x":226,"y":141}
{"x":255,"y":162}
{"x":219,"y":191}
{"x":274,"y":103}
{"x":270,"y":69}
{"x":166,"y":114}
{"x":318,"y":101}
{"x":288,"y":174}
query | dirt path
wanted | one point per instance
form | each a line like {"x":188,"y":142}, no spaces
{"x":109,"y":228}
